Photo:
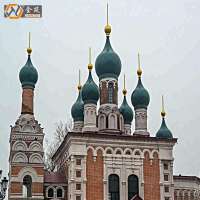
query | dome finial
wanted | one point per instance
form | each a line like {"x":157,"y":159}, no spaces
{"x":90,"y":65}
{"x":163,"y":113}
{"x":139,"y":71}
{"x":107,"y":27}
{"x":29,"y":50}
{"x":124,"y":91}
{"x":79,"y":80}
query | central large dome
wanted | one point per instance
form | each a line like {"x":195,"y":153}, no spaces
{"x":108,"y":63}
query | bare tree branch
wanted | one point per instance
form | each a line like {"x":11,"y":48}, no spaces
{"x":59,"y":135}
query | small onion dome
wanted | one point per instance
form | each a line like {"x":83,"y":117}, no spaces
{"x":90,"y":91}
{"x":108,"y":63}
{"x":126,"y":111}
{"x":164,"y":132}
{"x":28,"y":74}
{"x":140,"y":97}
{"x":77,"y":110}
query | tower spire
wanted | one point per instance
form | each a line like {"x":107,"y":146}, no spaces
{"x":107,"y":27}
{"x":139,"y":71}
{"x":124,"y":91}
{"x":90,"y":65}
{"x":29,"y":50}
{"x":163,"y":113}
{"x":79,"y":80}
{"x":107,"y":13}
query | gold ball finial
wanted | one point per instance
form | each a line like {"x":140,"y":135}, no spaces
{"x":107,"y":29}
{"x":163,"y":113}
{"x":79,"y":80}
{"x":139,"y":70}
{"x":29,"y":51}
{"x":124,"y":91}
{"x":79,"y":87}
{"x":90,"y":65}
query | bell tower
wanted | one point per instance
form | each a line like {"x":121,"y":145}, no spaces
{"x":26,"y":167}
{"x":108,"y":69}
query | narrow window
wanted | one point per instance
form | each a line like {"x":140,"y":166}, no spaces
{"x":166,"y":177}
{"x":166,"y":188}
{"x":78,"y":186}
{"x":50,"y":192}
{"x":78,"y":173}
{"x":113,"y":187}
{"x":27,"y":186}
{"x":78,"y":161}
{"x":107,"y":122}
{"x":78,"y":197}
{"x":133,"y":187}
{"x":166,"y":166}
{"x":110,"y":92}
{"x":59,"y":193}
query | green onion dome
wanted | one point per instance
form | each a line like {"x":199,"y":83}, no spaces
{"x":28,"y":74}
{"x":164,"y":132}
{"x":140,"y":97}
{"x":126,"y":112}
{"x":108,"y":63}
{"x":77,"y":110}
{"x":90,"y":91}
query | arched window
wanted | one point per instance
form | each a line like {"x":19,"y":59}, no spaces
{"x":112,"y":123}
{"x":27,"y":186}
{"x":102,"y":122}
{"x":113,"y":187}
{"x":59,"y":193}
{"x":133,"y":187}
{"x":50,"y":192}
{"x":110,"y":92}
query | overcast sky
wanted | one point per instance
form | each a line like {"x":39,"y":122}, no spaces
{"x":166,"y":33}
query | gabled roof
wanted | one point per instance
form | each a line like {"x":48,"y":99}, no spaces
{"x":54,"y":177}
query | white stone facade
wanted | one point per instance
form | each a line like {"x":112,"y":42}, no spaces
{"x":186,"y":188}
{"x":121,"y":156}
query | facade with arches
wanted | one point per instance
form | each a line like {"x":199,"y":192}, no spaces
{"x":110,"y":153}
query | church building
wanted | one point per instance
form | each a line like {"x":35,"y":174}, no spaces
{"x":110,"y":153}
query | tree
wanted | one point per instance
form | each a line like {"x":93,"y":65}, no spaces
{"x":59,"y":136}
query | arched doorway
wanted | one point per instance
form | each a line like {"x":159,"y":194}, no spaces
{"x":133,"y":186}
{"x":113,"y":180}
{"x":27,"y":186}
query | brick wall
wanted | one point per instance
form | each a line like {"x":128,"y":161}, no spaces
{"x":16,"y":187}
{"x":103,"y":93}
{"x":27,"y":101}
{"x":151,"y":177}
{"x":37,"y":187}
{"x":16,"y":169}
{"x":94,"y":173}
